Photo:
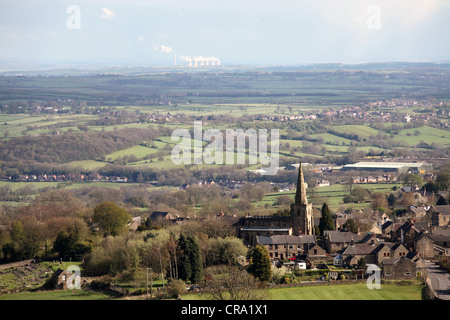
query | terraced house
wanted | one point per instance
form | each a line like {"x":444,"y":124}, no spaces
{"x":283,"y":247}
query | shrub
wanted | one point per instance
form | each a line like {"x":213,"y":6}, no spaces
{"x":175,"y":288}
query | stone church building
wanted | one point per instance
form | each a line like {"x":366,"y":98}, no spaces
{"x":299,"y":222}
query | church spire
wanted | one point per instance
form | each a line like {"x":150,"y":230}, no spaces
{"x":300,"y":195}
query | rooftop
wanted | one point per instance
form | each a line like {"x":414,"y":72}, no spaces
{"x":286,"y":239}
{"x":394,"y":165}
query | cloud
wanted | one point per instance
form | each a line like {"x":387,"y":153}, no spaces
{"x":162,"y":48}
{"x":107,"y":14}
{"x":140,"y":38}
{"x":166,"y":49}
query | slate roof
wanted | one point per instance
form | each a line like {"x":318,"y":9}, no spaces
{"x":285,"y":239}
{"x":359,"y":249}
{"x":386,"y":225}
{"x":158,"y":214}
{"x":443,"y":209}
{"x":382,"y":245}
{"x":395,"y":260}
{"x":344,"y":236}
{"x":417,"y":210}
{"x":408,"y":225}
{"x":442,"y":231}
{"x":439,"y":237}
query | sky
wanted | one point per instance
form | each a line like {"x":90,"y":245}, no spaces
{"x":246,"y":32}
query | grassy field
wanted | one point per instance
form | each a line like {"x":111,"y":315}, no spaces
{"x":21,"y":124}
{"x":354,"y":291}
{"x":426,"y":134}
{"x":357,"y":291}
{"x":331,"y":194}
{"x":58,"y":295}
{"x":351,"y":291}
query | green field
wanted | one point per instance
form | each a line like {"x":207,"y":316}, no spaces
{"x":357,"y":291}
{"x":350,"y":291}
{"x":331,"y":194}
{"x":361,"y":130}
{"x":58,"y":295}
{"x":353,"y":291}
{"x":426,"y":134}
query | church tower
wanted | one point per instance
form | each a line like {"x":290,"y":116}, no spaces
{"x":301,"y":211}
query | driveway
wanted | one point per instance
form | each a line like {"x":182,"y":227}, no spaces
{"x":440,"y":280}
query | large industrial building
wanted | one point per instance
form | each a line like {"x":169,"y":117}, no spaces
{"x":395,"y":167}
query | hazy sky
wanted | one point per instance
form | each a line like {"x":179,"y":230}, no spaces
{"x":277,"y":32}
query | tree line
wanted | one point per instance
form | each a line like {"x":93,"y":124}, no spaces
{"x":67,"y":147}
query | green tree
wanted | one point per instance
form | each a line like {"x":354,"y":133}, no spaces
{"x":413,"y":180}
{"x":28,"y":237}
{"x":224,"y":250}
{"x":176,"y":288}
{"x":431,"y":186}
{"x":64,"y":244}
{"x":260,"y":266}
{"x":183,"y":264}
{"x":196,"y":260}
{"x":362,"y":263}
{"x":392,"y":199}
{"x":326,"y":221}
{"x":351,"y":225}
{"x":111,"y":218}
{"x":190,"y":264}
{"x":443,"y":181}
{"x":360,"y":194}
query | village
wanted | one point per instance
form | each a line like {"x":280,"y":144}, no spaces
{"x":408,"y":247}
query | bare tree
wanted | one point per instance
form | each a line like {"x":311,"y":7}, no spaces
{"x":232,"y":283}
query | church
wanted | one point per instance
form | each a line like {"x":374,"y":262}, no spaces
{"x":300,"y":220}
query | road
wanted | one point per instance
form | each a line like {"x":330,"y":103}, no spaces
{"x":440,"y":280}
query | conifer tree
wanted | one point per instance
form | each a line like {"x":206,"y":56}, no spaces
{"x":326,"y":221}
{"x":190,"y":264}
{"x":195,"y":260}
{"x":260,"y":265}
{"x":184,"y":264}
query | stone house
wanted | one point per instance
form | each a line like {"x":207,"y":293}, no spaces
{"x":157,"y":216}
{"x":440,"y":236}
{"x":283,"y":247}
{"x":250,"y":235}
{"x":440,"y":215}
{"x":59,"y":279}
{"x":424,"y":245}
{"x":355,"y":251}
{"x":134,"y":225}
{"x":390,"y":250}
{"x":387,"y":228}
{"x":401,"y":268}
{"x":341,"y":219}
{"x":335,"y":241}
{"x":315,"y":252}
{"x":398,"y":250}
{"x":417,"y":212}
{"x":406,"y":233}
{"x":421,"y":266}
